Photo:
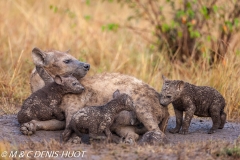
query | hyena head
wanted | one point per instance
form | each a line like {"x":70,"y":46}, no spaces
{"x":69,"y":84}
{"x":125,"y":100}
{"x":171,"y":91}
{"x":59,"y":63}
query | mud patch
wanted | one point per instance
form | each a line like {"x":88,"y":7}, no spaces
{"x":197,"y":132}
{"x":10,"y":131}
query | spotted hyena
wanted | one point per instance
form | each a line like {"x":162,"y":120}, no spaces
{"x":98,"y":91}
{"x":44,"y":103}
{"x":202,"y":101}
{"x":98,"y":119}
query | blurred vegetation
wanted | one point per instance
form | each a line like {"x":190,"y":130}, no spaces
{"x":99,"y":33}
{"x":188,"y":29}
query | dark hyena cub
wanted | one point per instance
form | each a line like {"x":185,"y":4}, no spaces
{"x":202,"y":101}
{"x":98,"y":119}
{"x":44,"y":103}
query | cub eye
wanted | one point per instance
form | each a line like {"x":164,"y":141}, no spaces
{"x":67,"y":61}
{"x":74,"y":83}
{"x":168,"y":96}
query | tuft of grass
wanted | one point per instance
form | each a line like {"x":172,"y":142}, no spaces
{"x":186,"y":150}
{"x":232,"y":152}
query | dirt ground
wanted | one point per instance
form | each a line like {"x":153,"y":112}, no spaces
{"x":198,"y":135}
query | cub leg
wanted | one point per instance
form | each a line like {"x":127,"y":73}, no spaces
{"x":223,"y":120}
{"x":108,"y":133}
{"x":187,"y":119}
{"x":179,"y":119}
{"x":216,"y":118}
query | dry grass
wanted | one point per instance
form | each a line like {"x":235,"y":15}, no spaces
{"x":187,"y":150}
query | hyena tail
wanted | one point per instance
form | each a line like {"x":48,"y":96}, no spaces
{"x":223,"y":117}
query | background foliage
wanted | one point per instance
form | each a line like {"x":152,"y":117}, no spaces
{"x":188,"y":29}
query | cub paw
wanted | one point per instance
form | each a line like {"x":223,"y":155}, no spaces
{"x":211,"y":131}
{"x":131,"y":138}
{"x":183,"y":132}
{"x":66,"y":135}
{"x":28,"y":128}
{"x":76,"y":140}
{"x":174,"y":130}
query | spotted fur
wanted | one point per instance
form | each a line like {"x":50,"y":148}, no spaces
{"x":202,"y":101}
{"x":98,"y":119}
{"x":44,"y":104}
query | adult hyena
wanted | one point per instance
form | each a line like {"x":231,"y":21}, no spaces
{"x":98,"y":91}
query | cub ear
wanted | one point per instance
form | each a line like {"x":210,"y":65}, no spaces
{"x":68,"y":51}
{"x":41,"y":58}
{"x":180,"y":85}
{"x":164,"y":78}
{"x":116,"y":93}
{"x":58,"y":79}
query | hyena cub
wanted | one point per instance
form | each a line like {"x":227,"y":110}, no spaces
{"x":202,"y":101}
{"x":44,"y":103}
{"x":98,"y":119}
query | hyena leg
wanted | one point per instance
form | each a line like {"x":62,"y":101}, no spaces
{"x":31,"y":127}
{"x":148,"y":121}
{"x":223,"y":120}
{"x":154,"y":133}
{"x":127,"y":132}
{"x":68,"y":115}
{"x":162,"y":125}
{"x":44,"y":75}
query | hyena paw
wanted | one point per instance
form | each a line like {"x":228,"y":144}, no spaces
{"x":76,"y":140}
{"x":28,"y":128}
{"x":131,"y":139}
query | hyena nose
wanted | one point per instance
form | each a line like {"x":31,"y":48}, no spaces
{"x":86,"y":66}
{"x":82,"y":88}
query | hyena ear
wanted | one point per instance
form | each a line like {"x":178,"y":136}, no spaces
{"x":58,"y":79}
{"x":180,"y":86}
{"x":68,"y":51}
{"x":164,"y":78}
{"x":40,"y":58}
{"x":116,"y":93}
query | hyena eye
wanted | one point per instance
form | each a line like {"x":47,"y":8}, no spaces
{"x":67,"y":61}
{"x":74,"y":83}
{"x":168,"y":96}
